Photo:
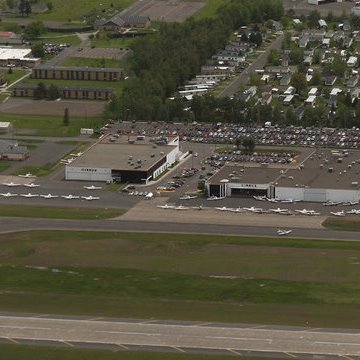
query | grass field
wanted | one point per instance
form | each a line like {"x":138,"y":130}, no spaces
{"x":21,"y":352}
{"x":76,"y":61}
{"x":4,"y":165}
{"x":15,"y":75}
{"x":342,"y":225}
{"x":53,"y":39}
{"x":66,"y":10}
{"x":44,"y":125}
{"x":47,"y":212}
{"x":210,"y":9}
{"x":193,"y":277}
{"x":106,"y":42}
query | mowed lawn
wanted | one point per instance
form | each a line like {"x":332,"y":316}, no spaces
{"x":67,"y":10}
{"x":45,"y":125}
{"x":210,"y":9}
{"x":193,"y":277}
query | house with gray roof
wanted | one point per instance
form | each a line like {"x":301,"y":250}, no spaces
{"x":121,"y":22}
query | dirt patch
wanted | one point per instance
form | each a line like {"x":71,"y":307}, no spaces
{"x":56,"y":108}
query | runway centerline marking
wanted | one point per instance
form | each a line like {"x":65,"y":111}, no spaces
{"x":335,"y":343}
{"x":237,"y":338}
{"x":128,"y":333}
{"x":24,"y":327}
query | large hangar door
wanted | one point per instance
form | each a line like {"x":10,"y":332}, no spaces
{"x":315,"y":195}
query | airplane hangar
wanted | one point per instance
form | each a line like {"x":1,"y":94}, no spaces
{"x":125,"y":158}
{"x":324,"y":175}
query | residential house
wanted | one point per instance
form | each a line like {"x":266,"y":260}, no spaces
{"x":10,"y":150}
{"x":288,"y":99}
{"x":304,"y":41}
{"x":308,"y":60}
{"x":322,"y":24}
{"x":285,"y":80}
{"x":330,"y":80}
{"x":290,"y":91}
{"x":121,"y":22}
{"x":352,"y":80}
{"x":313,"y":92}
{"x":310,"y":100}
{"x":248,"y":94}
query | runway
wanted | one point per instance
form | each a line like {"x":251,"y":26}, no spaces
{"x":23,"y":224}
{"x":126,"y":334}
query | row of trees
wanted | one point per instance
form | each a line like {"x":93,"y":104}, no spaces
{"x":163,"y":62}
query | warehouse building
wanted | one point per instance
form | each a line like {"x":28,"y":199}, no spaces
{"x":10,"y":150}
{"x":77,"y":73}
{"x":17,"y":57}
{"x":134,"y":159}
{"x":324,"y":175}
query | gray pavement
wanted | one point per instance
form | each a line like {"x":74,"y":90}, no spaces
{"x":235,"y":339}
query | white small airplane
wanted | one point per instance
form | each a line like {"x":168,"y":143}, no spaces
{"x":188,"y":197}
{"x":279,"y":211}
{"x":200,"y":207}
{"x":31,"y":185}
{"x":236,"y":210}
{"x":282,"y":232}
{"x":10,"y":184}
{"x":273,"y":200}
{"x":181,"y":207}
{"x":260,"y":198}
{"x":149,"y":196}
{"x":254,"y":209}
{"x":93,"y":187}
{"x":28,"y":175}
{"x":338,"y":213}
{"x":223,"y":208}
{"x":331,"y":203}
{"x":70,"y":197}
{"x":307,"y":212}
{"x":353,"y":212}
{"x":29,"y":195}
{"x":350,"y":203}
{"x":90,"y":198}
{"x":214,"y":198}
{"x":76,"y":154}
{"x":166,"y":206}
{"x":49,"y":196}
{"x":289,"y":201}
{"x":8,"y":194}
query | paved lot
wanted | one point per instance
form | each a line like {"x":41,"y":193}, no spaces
{"x":182,"y":336}
{"x":301,"y":7}
{"x":165,"y":10}
{"x":101,"y":53}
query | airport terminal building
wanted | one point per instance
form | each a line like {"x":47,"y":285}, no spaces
{"x":133,"y":159}
{"x":324,"y":175}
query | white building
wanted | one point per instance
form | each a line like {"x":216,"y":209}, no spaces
{"x":134,"y":159}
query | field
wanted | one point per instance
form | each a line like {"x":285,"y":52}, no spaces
{"x":15,"y":75}
{"x":47,"y":212}
{"x":342,"y":225}
{"x":49,"y":125}
{"x":210,"y":9}
{"x":15,"y":352}
{"x":210,"y":278}
{"x":66,"y":10}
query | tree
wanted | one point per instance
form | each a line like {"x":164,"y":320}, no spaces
{"x":38,"y":50}
{"x":66,"y":120}
{"x":316,"y":79}
{"x":249,"y":145}
{"x":10,"y":4}
{"x":274,"y":57}
{"x":237,"y":143}
{"x":40,"y":91}
{"x":53,"y":92}
{"x":50,"y":5}
{"x":298,"y":81}
{"x":24,"y":7}
{"x":296,"y":56}
{"x":34,"y":30}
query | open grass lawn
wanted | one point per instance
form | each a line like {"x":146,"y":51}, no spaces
{"x":106,"y":42}
{"x":15,"y":75}
{"x":210,"y":9}
{"x":342,"y":225}
{"x":117,"y":86}
{"x":47,"y":212}
{"x":21,"y":352}
{"x":76,"y":61}
{"x":45,"y":125}
{"x":38,"y":171}
{"x":4,"y":165}
{"x":54,"y":39}
{"x":193,"y":277}
{"x":66,"y":10}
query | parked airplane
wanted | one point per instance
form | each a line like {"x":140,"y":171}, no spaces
{"x":224,"y":208}
{"x":181,"y":207}
{"x":350,"y":203}
{"x":331,"y":203}
{"x":29,"y":195}
{"x":289,"y":201}
{"x":31,"y":185}
{"x":338,"y":213}
{"x":70,"y":197}
{"x":93,"y":187}
{"x":49,"y":196}
{"x":89,"y":198}
{"x":149,"y":196}
{"x":28,"y":175}
{"x":308,"y":212}
{"x":282,"y":232}
{"x":166,"y":206}
{"x":279,"y":211}
{"x":213,"y":197}
{"x":10,"y":184}
{"x":353,"y":212}
{"x":188,"y":197}
{"x":260,"y":198}
{"x":8,"y":194}
{"x":254,"y":209}
{"x":236,"y":210}
{"x":273,"y":200}
{"x":77,"y":154}
{"x":200,"y":207}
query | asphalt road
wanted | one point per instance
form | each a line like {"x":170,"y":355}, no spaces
{"x":181,"y":336}
{"x":258,"y":64}
{"x":22,"y":224}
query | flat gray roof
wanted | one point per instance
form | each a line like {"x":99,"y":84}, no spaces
{"x":116,"y":155}
{"x":76,"y":68}
{"x":321,"y":169}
